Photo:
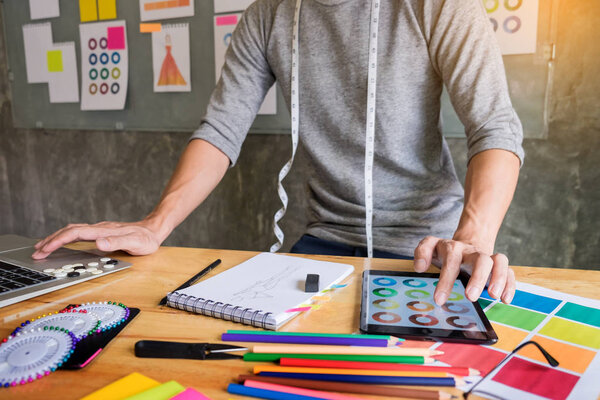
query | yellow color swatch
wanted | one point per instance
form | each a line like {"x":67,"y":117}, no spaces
{"x":569,"y":357}
{"x":508,"y":338}
{"x":87,"y":10}
{"x":55,"y":62}
{"x":130,"y":385}
{"x":107,"y":9}
{"x":572,"y":332}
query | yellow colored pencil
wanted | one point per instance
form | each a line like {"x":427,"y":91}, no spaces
{"x":341,"y":371}
{"x":355,"y":350}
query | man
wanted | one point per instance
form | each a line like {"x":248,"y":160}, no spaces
{"x":421,"y":46}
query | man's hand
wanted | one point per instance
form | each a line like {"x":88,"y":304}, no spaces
{"x":450,"y":254}
{"x":136,"y":238}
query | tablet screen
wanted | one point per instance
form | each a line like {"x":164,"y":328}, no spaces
{"x":403,"y":303}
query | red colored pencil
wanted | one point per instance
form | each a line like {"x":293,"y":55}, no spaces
{"x":302,"y":362}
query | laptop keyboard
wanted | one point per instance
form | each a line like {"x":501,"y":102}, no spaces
{"x":13,"y":277}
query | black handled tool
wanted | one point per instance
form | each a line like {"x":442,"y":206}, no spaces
{"x":193,"y":351}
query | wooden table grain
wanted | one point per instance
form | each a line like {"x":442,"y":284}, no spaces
{"x":151,"y":277}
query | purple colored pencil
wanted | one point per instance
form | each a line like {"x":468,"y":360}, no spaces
{"x":336,"y":341}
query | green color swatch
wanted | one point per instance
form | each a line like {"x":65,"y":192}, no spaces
{"x":576,"y":312}
{"x":339,"y":357}
{"x":572,"y":332}
{"x":483,"y":302}
{"x":55,"y":62}
{"x":160,"y":392}
{"x":513,"y":316}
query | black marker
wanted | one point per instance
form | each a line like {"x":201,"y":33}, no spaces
{"x":193,"y":279}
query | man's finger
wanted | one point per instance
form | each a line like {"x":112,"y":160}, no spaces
{"x":450,"y":253}
{"x":424,"y":253}
{"x":71,"y":234}
{"x":499,"y":275}
{"x":511,"y":285}
{"x":482,"y":266}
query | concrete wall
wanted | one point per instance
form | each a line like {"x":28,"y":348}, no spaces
{"x":51,"y":178}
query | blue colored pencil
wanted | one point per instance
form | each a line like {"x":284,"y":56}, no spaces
{"x":383,"y":380}
{"x":242,"y":390}
{"x":338,"y":341}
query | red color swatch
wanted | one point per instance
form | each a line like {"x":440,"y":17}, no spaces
{"x":537,"y":379}
{"x":470,"y":355}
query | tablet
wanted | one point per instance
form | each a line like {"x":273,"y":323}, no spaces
{"x":401,"y":304}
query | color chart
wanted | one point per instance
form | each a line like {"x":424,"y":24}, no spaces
{"x":567,"y":326}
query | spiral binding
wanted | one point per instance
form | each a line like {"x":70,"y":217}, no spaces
{"x":199,"y":305}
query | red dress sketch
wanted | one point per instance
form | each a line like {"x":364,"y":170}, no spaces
{"x":169,"y":72}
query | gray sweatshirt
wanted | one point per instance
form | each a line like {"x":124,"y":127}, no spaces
{"x":423,"y":45}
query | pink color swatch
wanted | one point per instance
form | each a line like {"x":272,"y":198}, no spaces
{"x":537,"y":379}
{"x":116,"y":38}
{"x":227,"y":20}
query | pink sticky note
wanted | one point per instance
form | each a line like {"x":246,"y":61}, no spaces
{"x":190,"y":394}
{"x":299,"y":309}
{"x":227,"y":20}
{"x":116,"y":38}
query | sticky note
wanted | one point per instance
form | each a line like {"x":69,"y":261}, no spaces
{"x":116,"y":38}
{"x":226,"y":20}
{"x":87,"y":10}
{"x":107,"y":9}
{"x":161,"y":392}
{"x":190,"y":394}
{"x":55,"y":61}
{"x":131,"y":384}
{"x":147,"y":28}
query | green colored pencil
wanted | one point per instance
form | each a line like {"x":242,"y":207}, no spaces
{"x":340,"y":357}
{"x":338,"y":335}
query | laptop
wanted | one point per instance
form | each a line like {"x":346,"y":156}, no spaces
{"x":22,"y":277}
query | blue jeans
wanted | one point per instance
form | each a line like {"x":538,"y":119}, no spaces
{"x":309,"y":244}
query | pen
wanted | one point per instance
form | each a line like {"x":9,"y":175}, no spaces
{"x":193,"y":279}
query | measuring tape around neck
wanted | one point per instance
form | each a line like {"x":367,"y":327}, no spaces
{"x":370,"y":126}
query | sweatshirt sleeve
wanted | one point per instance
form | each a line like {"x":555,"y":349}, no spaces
{"x":245,"y":79}
{"x":466,"y":55}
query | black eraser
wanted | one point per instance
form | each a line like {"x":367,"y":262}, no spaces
{"x":312,"y":283}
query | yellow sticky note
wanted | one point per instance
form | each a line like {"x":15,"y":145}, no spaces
{"x":130,"y":385}
{"x":107,"y":9}
{"x":55,"y":63}
{"x":147,"y":28}
{"x":87,"y":10}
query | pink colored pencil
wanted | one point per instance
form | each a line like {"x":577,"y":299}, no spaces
{"x":298,"y":391}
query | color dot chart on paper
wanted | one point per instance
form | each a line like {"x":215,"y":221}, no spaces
{"x":567,"y":326}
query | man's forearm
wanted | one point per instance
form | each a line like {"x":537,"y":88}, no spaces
{"x":489,"y":188}
{"x":200,"y":168}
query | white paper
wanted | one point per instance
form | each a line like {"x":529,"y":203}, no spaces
{"x":269,"y":282}
{"x":225,"y":6}
{"x":515,"y":23}
{"x":40,"y":9}
{"x":224,"y":26}
{"x":171,"y":58}
{"x":63,"y":86}
{"x":37,"y":40}
{"x":94,"y":40}
{"x":151,"y":10}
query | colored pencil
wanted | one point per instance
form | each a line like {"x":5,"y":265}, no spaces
{"x":335,"y":341}
{"x":341,"y":371}
{"x":264,"y":394}
{"x":341,"y":335}
{"x":354,"y":350}
{"x":352,"y":387}
{"x":339,"y":357}
{"x":193,"y":279}
{"x":300,"y":391}
{"x":382,"y":380}
{"x":299,"y":362}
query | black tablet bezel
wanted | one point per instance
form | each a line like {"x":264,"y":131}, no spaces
{"x":457,"y":336}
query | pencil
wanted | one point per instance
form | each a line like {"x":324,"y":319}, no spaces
{"x":392,"y":339}
{"x":382,"y":380}
{"x":341,"y":371}
{"x":300,"y":391}
{"x":335,"y":341}
{"x":354,"y":350}
{"x":339,"y":357}
{"x":299,"y":362}
{"x":193,"y":279}
{"x":352,"y":387}
{"x":264,"y":394}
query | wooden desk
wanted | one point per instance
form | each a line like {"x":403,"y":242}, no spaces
{"x":151,"y":277}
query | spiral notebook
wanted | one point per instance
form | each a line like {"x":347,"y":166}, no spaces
{"x":259,"y":291}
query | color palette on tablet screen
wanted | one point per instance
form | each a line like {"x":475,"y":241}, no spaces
{"x":405,"y":301}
